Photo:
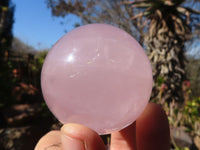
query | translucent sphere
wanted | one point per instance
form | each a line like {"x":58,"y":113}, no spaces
{"x":97,"y":75}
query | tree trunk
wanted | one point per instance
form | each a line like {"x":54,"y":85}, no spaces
{"x":166,"y":53}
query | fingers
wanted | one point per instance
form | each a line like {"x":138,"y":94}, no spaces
{"x":124,"y":139}
{"x":152,"y":129}
{"x":71,"y":137}
{"x":50,"y":141}
{"x":150,"y":132}
{"x":79,"y":137}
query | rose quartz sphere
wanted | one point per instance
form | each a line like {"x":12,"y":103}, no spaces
{"x":99,"y":76}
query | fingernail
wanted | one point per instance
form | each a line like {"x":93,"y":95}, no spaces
{"x":71,"y":143}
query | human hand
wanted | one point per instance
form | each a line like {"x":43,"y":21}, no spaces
{"x":149,"y":132}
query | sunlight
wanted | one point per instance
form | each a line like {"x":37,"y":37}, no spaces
{"x":70,"y":58}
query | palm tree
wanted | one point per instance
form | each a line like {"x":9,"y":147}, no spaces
{"x":169,"y":27}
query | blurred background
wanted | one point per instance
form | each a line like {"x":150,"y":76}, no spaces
{"x":168,"y":30}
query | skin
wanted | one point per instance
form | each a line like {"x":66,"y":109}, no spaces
{"x":149,"y":132}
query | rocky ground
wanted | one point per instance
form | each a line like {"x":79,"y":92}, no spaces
{"x":23,"y":125}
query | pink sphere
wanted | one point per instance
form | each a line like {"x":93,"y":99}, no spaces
{"x":99,"y":76}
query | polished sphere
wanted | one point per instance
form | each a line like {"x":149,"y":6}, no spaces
{"x":97,"y":75}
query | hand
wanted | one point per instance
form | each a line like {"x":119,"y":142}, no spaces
{"x":149,"y":132}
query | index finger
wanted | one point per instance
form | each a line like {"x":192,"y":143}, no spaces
{"x":151,"y":131}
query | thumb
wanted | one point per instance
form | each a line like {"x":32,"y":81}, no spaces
{"x":78,"y":137}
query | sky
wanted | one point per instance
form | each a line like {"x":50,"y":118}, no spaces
{"x":35,"y":25}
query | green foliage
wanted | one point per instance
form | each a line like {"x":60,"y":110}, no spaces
{"x":45,"y":110}
{"x":41,"y":57}
{"x":186,"y":115}
{"x":36,"y":65}
{"x":6,"y":22}
{"x":178,"y":148}
{"x":193,"y":108}
{"x":6,"y":79}
{"x":191,"y":113}
{"x":160,"y":80}
{"x":20,"y":76}
{"x":7,"y":82}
